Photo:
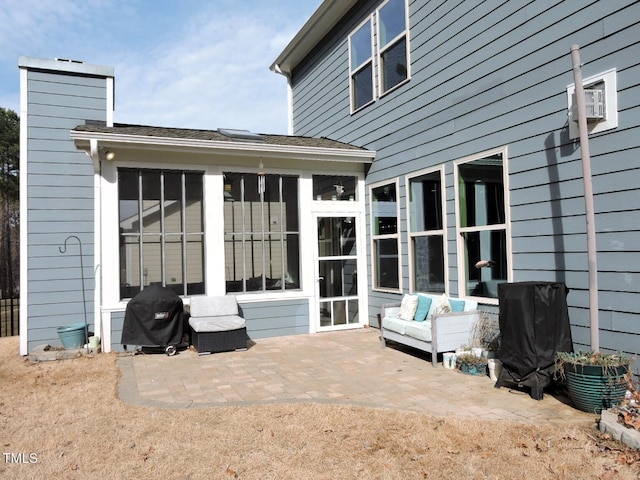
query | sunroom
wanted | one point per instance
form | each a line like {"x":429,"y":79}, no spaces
{"x":277,"y":221}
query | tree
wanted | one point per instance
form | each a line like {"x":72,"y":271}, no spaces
{"x":9,"y":201}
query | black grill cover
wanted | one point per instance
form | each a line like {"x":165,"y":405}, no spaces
{"x":534,"y":325}
{"x":154,"y":317}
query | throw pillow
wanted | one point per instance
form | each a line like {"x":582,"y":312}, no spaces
{"x":443,"y":305}
{"x":408,"y":307}
{"x":456,"y":305}
{"x":424,"y":303}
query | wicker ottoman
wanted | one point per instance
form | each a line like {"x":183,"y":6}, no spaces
{"x":216,"y":325}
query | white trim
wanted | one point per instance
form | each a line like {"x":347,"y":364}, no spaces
{"x":443,"y":232}
{"x":374,"y":237}
{"x":462,"y":287}
{"x":110,"y":106}
{"x":24,"y":215}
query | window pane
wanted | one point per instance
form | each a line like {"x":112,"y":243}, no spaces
{"x":129,"y":266}
{"x":425,"y":198}
{"x":338,"y":278}
{"x":392,"y":21}
{"x":151,"y":260}
{"x":151,"y":202}
{"x":173,"y":202}
{"x":490,"y":246}
{"x":173,"y":263}
{"x":292,"y":261}
{"x":362,"y":87}
{"x":360,"y":45}
{"x":334,"y":187}
{"x":290,"y":199}
{"x":386,"y":257}
{"x":481,"y":192}
{"x":195,"y":264}
{"x":128,"y":201}
{"x":385,"y":211}
{"x":336,"y":236}
{"x":394,"y":65}
{"x":194,"y":210}
{"x":428,"y":254}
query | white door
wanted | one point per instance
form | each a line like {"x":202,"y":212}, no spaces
{"x":337,"y":303}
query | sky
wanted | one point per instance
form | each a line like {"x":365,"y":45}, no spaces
{"x":200,"y":64}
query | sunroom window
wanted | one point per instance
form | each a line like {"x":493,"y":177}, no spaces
{"x":261,"y":232}
{"x":427,"y":232}
{"x":385,"y":238}
{"x":161,"y":231}
{"x":483,"y":225}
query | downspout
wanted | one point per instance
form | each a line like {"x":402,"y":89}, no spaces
{"x":277,"y":69}
{"x":588,"y":200}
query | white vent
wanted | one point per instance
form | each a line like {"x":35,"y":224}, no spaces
{"x":594,"y":104}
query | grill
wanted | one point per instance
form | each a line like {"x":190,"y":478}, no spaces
{"x":154,"y":318}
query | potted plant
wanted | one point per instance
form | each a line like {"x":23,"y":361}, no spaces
{"x":594,"y":380}
{"x":471,"y":364}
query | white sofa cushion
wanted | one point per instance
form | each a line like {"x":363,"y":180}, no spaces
{"x":395,"y":324}
{"x":221,"y":323}
{"x":213,"y":306}
{"x":419,"y":330}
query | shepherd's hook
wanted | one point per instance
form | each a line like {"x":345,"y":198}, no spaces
{"x":63,"y":249}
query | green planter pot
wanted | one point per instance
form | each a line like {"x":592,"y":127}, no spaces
{"x":477,"y":370}
{"x":593,"y":388}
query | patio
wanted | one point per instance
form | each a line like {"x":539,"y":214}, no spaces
{"x":347,"y":367}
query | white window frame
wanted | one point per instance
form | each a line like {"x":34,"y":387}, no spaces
{"x":506,"y":226}
{"x":375,"y":237}
{"x":381,"y":50}
{"x":443,"y":232}
{"x":360,"y":67}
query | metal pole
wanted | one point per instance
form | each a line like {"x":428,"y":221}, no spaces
{"x":588,"y":200}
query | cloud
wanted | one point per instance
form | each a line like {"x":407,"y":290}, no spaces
{"x":184,"y":63}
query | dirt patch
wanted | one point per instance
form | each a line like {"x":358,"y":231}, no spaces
{"x":64,"y":420}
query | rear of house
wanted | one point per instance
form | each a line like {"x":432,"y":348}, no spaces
{"x":478,"y":175}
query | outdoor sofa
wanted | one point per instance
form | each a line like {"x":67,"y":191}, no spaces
{"x":431,"y":323}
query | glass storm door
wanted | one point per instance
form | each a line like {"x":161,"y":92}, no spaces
{"x":337,"y":296}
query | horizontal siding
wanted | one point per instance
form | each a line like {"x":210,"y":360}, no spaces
{"x":60,"y":197}
{"x":490,"y":74}
{"x":276,"y":318}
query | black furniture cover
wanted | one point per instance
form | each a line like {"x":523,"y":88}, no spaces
{"x":534,"y":325}
{"x":153,"y":318}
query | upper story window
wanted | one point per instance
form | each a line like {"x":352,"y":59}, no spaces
{"x":427,"y":232}
{"x":483,"y":226}
{"x":387,"y":51}
{"x":161,"y":231}
{"x":261,"y":232}
{"x":392,"y":44}
{"x":385,"y":237}
{"x":361,"y":66}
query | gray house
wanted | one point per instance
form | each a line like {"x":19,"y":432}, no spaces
{"x":467,"y":109}
{"x":478,"y":174}
{"x":276,"y":220}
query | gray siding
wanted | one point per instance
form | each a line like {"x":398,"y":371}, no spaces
{"x":489,"y":74}
{"x":276,"y":318}
{"x":60,"y":198}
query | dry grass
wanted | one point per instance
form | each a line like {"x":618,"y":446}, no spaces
{"x":68,"y":415}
